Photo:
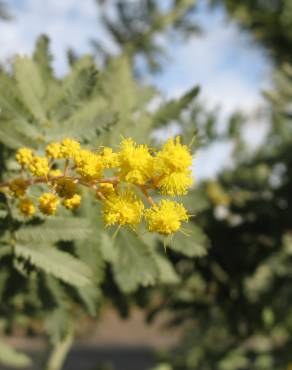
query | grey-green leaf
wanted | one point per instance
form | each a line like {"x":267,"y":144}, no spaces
{"x":57,"y":263}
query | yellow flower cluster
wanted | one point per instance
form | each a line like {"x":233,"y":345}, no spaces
{"x":120,"y":179}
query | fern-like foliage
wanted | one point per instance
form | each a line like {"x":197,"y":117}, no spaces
{"x":55,"y":262}
{"x":52,"y":264}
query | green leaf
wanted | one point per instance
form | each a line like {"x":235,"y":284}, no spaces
{"x":31,"y":86}
{"x":86,"y":122}
{"x":55,"y":229}
{"x":107,"y":246}
{"x":58,"y":324}
{"x":12,"y":358}
{"x":10,"y":99}
{"x":18,"y":133}
{"x":57,"y":263}
{"x":91,"y":297}
{"x":77,"y":86}
{"x":167,"y":274}
{"x":193,"y":245}
{"x":135,"y":264}
{"x":118,"y":86}
{"x":89,"y":252}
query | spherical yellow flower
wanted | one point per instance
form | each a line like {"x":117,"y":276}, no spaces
{"x":73,"y":202}
{"x":53,"y":150}
{"x":176,"y":183}
{"x":136,"y":162}
{"x":55,"y":173}
{"x":122,"y":209}
{"x":26,"y":207}
{"x":39,"y":166}
{"x":106,"y":189}
{"x":69,"y":148}
{"x":166,"y":217}
{"x":173,"y":157}
{"x":18,"y":187}
{"x":217,"y":195}
{"x":48,"y":203}
{"x":65,"y":188}
{"x":88,"y":164}
{"x":109,"y":158}
{"x":23,"y":156}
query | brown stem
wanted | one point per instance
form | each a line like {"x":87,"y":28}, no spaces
{"x":66,"y":167}
{"x":90,"y":184}
{"x":110,"y":180}
{"x":100,"y":195}
{"x":147,"y":196}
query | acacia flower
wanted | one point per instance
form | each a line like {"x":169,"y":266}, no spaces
{"x":53,"y":150}
{"x":48,"y":203}
{"x":122,"y":209}
{"x":73,"y":202}
{"x":166,"y":217}
{"x":176,"y":183}
{"x":134,"y":166}
{"x":136,"y":162}
{"x":106,"y":189}
{"x":26,"y":207}
{"x":69,"y":148}
{"x":173,"y":157}
{"x":55,"y":172}
{"x":24,"y":156}
{"x":109,"y":158}
{"x":18,"y":187}
{"x":39,"y":166}
{"x":88,"y":164}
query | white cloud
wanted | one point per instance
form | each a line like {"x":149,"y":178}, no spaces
{"x":229,"y":68}
{"x":66,"y":22}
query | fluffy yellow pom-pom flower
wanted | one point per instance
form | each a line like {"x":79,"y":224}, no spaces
{"x":135,"y":161}
{"x":53,"y":150}
{"x":176,"y":183}
{"x":26,"y":207}
{"x":55,"y":173}
{"x":109,"y":158}
{"x":48,"y":203}
{"x":173,"y":157}
{"x":18,"y":187}
{"x":122,"y":209}
{"x":39,"y":166}
{"x":88,"y":164}
{"x":106,"y":189}
{"x":73,"y":202}
{"x":166,"y":217}
{"x":23,"y":156}
{"x":69,"y":148}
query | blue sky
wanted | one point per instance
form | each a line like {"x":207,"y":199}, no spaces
{"x":229,"y":67}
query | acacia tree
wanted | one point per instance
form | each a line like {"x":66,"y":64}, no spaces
{"x":55,"y":269}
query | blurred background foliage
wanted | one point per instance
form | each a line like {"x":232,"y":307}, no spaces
{"x":228,"y":284}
